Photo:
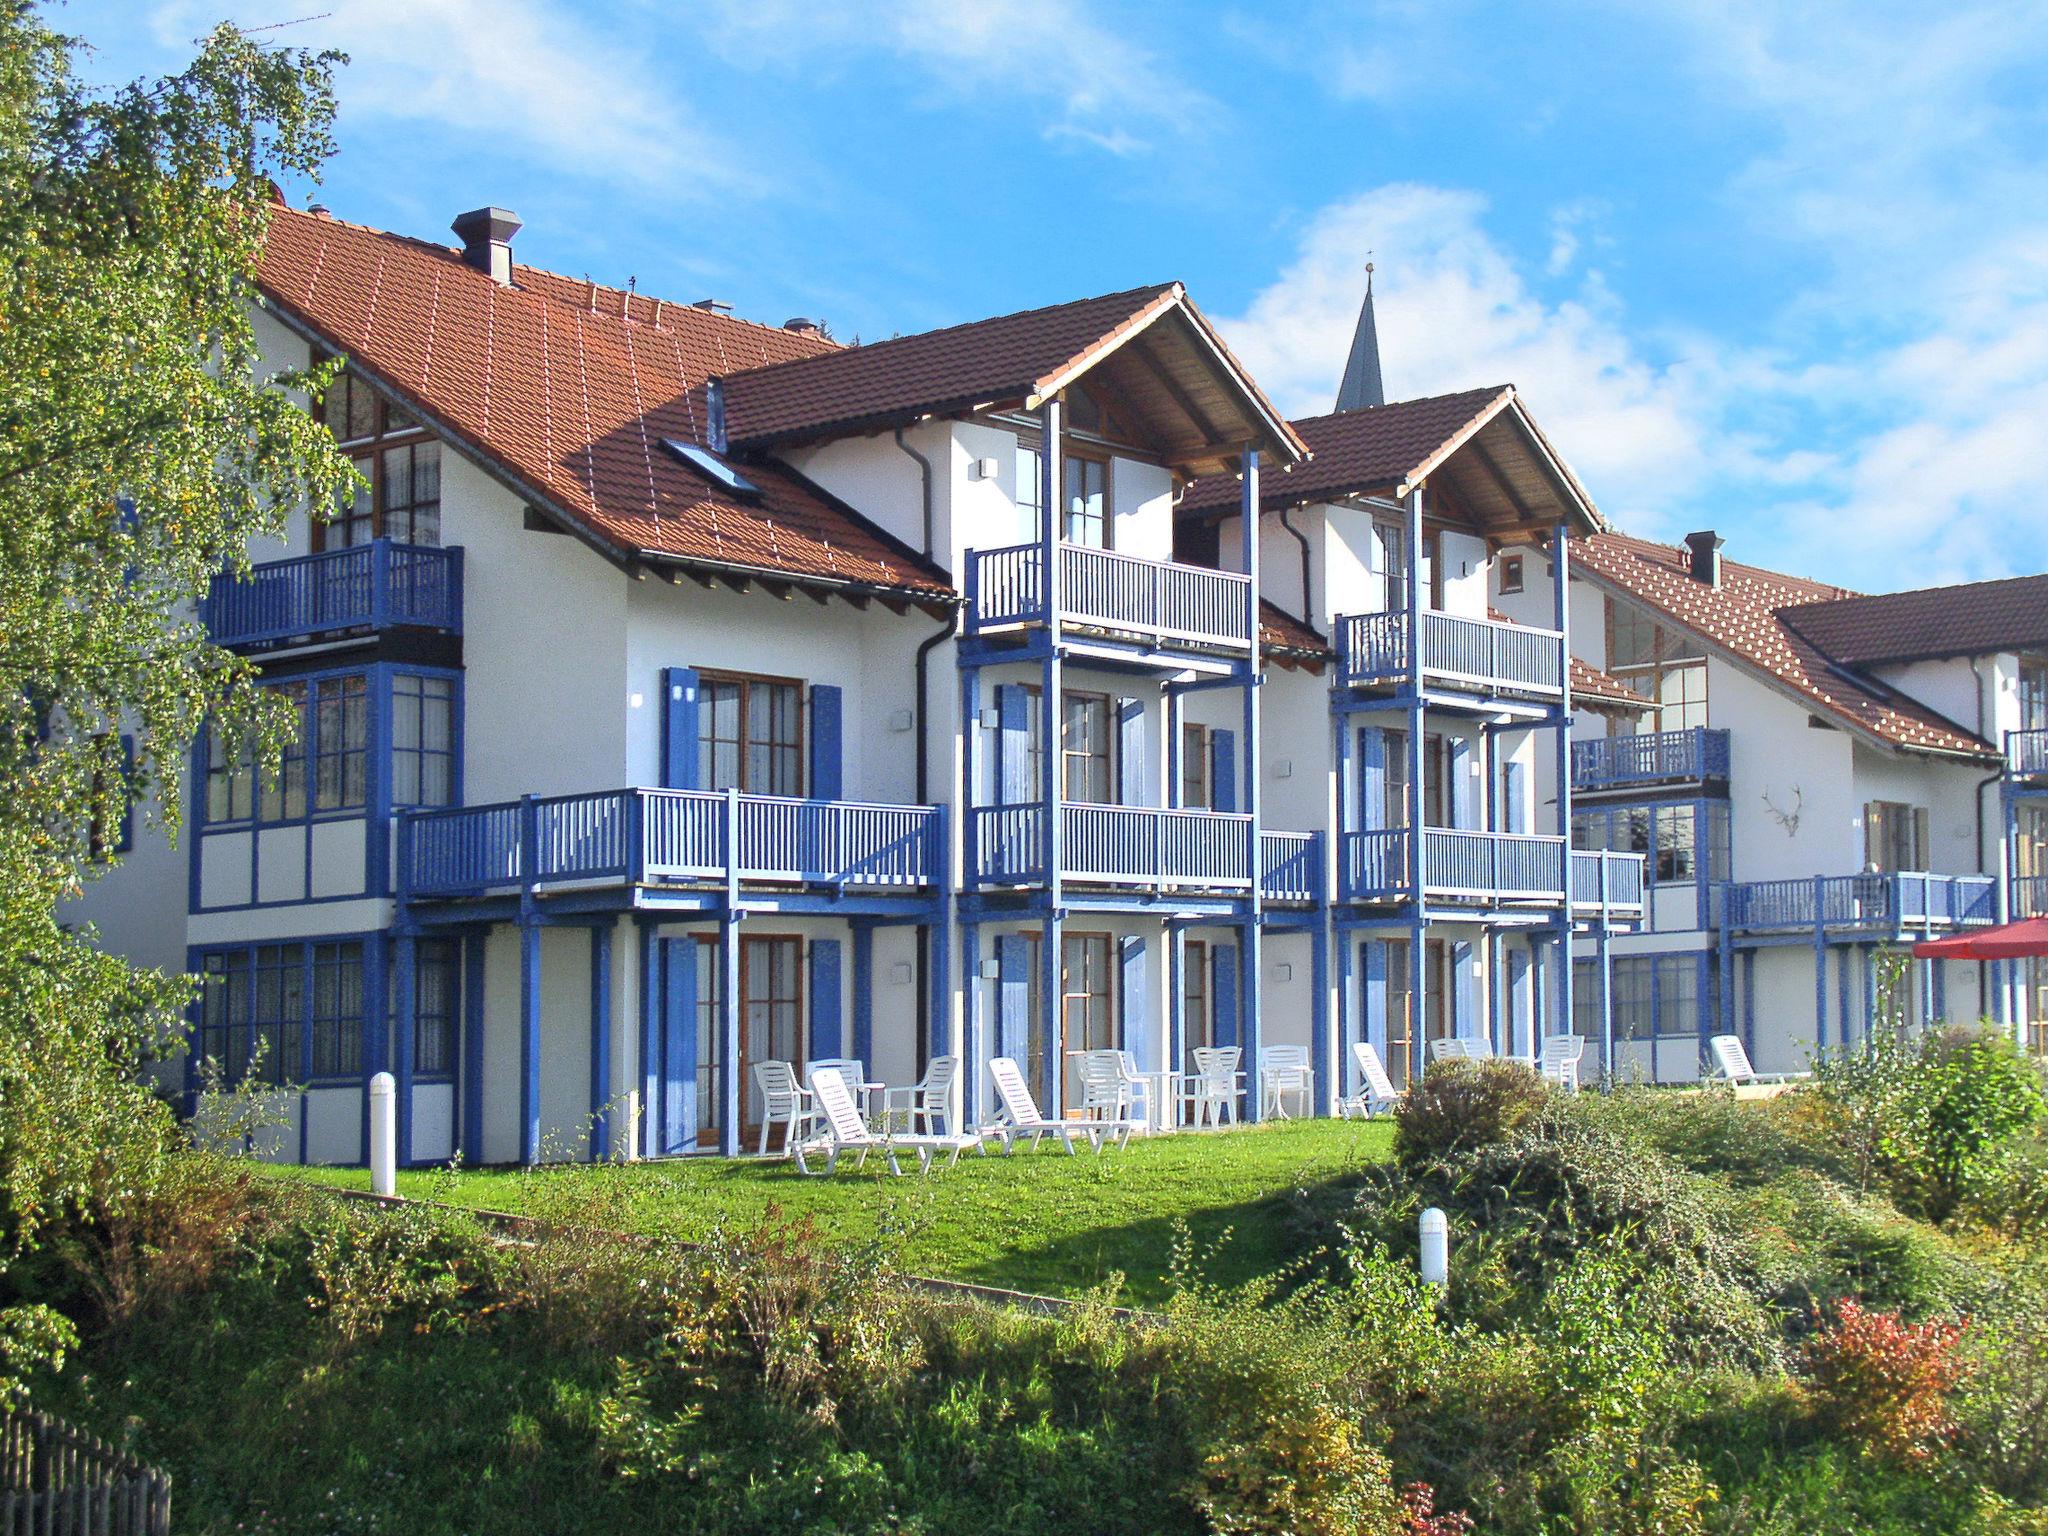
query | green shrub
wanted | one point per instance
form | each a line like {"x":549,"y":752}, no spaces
{"x":1461,"y":1104}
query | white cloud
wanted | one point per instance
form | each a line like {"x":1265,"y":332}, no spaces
{"x":1093,"y":83}
{"x":514,"y":72}
{"x":1454,"y":312}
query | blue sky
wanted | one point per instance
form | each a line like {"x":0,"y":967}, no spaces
{"x":1779,"y":268}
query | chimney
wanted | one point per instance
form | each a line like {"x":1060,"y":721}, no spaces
{"x":1706,"y":556}
{"x":803,"y":326}
{"x":486,"y":236}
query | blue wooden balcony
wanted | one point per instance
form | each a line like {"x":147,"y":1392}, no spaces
{"x":365,"y":588}
{"x":1486,"y":867}
{"x":1291,"y":867}
{"x":1862,"y":906}
{"x":2026,"y":755}
{"x":1459,"y":655}
{"x":1123,"y":846}
{"x":1609,"y":884}
{"x":1155,"y":602}
{"x":651,"y":837}
{"x":1696,"y":756}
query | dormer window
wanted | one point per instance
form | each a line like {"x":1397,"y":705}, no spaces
{"x":400,"y":464}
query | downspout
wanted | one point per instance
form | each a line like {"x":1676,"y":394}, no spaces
{"x":2000,"y":895}
{"x":1307,"y":606}
{"x":923,"y":753}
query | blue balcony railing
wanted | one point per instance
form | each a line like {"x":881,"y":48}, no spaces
{"x":1156,"y":601}
{"x":1456,"y":866}
{"x":1291,"y":867}
{"x":656,"y":836}
{"x":2026,"y":754}
{"x":375,"y":586}
{"x":1120,"y":845}
{"x":1460,"y":654}
{"x":1695,"y":756}
{"x":1612,"y":882}
{"x":1867,"y":904}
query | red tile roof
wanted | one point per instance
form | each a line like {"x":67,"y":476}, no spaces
{"x":1741,"y":618}
{"x":1598,"y":690}
{"x":1356,"y":452}
{"x":1280,"y":632}
{"x":1973,"y":619}
{"x":568,"y":388}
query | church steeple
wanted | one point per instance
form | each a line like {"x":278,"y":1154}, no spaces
{"x":1362,"y":386}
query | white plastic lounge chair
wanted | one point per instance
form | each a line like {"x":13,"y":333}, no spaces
{"x":853,"y":1069}
{"x":1376,"y":1091}
{"x":1213,"y":1089}
{"x":785,"y":1102}
{"x":1731,"y":1065}
{"x":1559,"y":1061}
{"x":929,"y":1102}
{"x":1018,"y":1117}
{"x":841,"y":1129}
{"x":1284,"y":1069}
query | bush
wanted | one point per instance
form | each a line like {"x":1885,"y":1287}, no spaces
{"x":1461,"y":1104}
{"x":1883,"y":1384}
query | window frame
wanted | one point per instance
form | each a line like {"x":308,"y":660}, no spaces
{"x":1197,"y":787}
{"x":297,"y":965}
{"x":1674,"y":656}
{"x":708,"y":743}
{"x":366,"y":451}
{"x":1511,"y":579}
{"x":1882,"y":824}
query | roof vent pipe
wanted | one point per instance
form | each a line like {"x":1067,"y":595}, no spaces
{"x":714,"y":415}
{"x":486,"y":236}
{"x":1706,"y":556}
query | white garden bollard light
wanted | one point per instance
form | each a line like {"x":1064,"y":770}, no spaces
{"x":384,"y":1134}
{"x":1436,"y":1247}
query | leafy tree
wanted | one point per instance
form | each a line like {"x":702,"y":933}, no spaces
{"x":139,"y":450}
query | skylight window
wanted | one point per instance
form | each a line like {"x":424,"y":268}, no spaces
{"x":711,"y":467}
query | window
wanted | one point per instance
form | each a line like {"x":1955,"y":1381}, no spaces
{"x":400,"y":497}
{"x":230,"y":779}
{"x":1510,"y":574}
{"x":1199,"y":1028}
{"x":1087,"y":1020}
{"x":1433,"y":567}
{"x":1673,"y":836}
{"x":422,"y":740}
{"x":1030,"y":498}
{"x":2030,"y":863}
{"x":1894,"y":835}
{"x":2034,"y":695}
{"x":710,"y":1038}
{"x":283,"y":1013}
{"x":771,"y":1009}
{"x":2037,"y":1005}
{"x":284,"y":798}
{"x":1396,"y":811}
{"x":1392,"y":545}
{"x":1676,"y":850}
{"x":752,"y":735}
{"x":1653,"y":996}
{"x":337,"y":1034}
{"x":1087,"y":763}
{"x":1659,"y":663}
{"x":339,"y":711}
{"x":436,"y":1007}
{"x":1197,"y":769}
{"x":1087,"y":494}
{"x":1400,"y":1013}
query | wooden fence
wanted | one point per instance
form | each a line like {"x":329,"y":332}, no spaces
{"x":59,"y":1481}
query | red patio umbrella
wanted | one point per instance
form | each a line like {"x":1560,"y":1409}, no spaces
{"x":2009,"y":941}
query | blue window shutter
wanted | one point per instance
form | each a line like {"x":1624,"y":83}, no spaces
{"x":678,"y":727}
{"x":825,"y":1031}
{"x":1134,"y":1023}
{"x":1223,"y":992}
{"x":1013,"y":746}
{"x":1223,"y":769}
{"x":1130,"y":752}
{"x":678,"y":1109}
{"x":1515,"y":816}
{"x":1463,"y":811}
{"x":1372,"y":781}
{"x":1465,"y":992}
{"x":1374,"y":969}
{"x":1013,"y":997}
{"x":826,"y":751}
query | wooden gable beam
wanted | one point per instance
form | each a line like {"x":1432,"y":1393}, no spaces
{"x":1490,"y":467}
{"x":1142,"y":345}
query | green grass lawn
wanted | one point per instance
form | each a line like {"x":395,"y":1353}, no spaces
{"x":1036,"y":1221}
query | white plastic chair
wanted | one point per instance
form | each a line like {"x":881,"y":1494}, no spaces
{"x":1731,"y":1065}
{"x":1018,"y":1117}
{"x":930,"y":1101}
{"x":1559,"y":1061}
{"x":1284,"y":1069}
{"x":851,"y":1068}
{"x":1213,"y":1089}
{"x":784,"y":1102}
{"x":1447,"y":1048}
{"x":1136,"y":1086}
{"x":841,"y":1129}
{"x":1376,"y":1091}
